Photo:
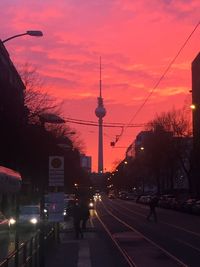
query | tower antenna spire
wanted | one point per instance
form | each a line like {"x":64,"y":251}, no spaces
{"x":100,"y":94}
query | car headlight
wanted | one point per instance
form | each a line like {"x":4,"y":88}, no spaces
{"x":45,"y":210}
{"x":64,"y":213}
{"x":91,"y":205}
{"x":33,"y":220}
{"x":12,"y":221}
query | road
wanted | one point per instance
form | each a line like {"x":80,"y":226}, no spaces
{"x":122,"y":231}
{"x":173,"y":241}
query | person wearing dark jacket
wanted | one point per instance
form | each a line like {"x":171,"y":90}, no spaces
{"x":152,"y":205}
{"x":77,"y":216}
{"x":85,"y":214}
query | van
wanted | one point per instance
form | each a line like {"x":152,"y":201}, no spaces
{"x":29,"y":215}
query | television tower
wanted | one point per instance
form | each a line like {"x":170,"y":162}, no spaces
{"x":100,"y":112}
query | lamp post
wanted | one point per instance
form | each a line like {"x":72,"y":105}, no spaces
{"x":53,"y":119}
{"x":31,"y":33}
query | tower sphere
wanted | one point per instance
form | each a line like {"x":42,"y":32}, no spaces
{"x":100,"y":112}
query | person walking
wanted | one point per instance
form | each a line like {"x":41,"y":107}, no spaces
{"x":152,"y":205}
{"x":85,"y":214}
{"x":77,"y":216}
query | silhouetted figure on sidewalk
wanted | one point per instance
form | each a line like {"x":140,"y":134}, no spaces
{"x":153,"y":204}
{"x":77,"y":216}
{"x":85,"y":214}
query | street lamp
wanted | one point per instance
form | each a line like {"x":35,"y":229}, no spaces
{"x":31,"y":33}
{"x":192,"y":106}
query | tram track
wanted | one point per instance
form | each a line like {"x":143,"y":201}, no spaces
{"x":130,"y":242}
{"x":160,"y":221}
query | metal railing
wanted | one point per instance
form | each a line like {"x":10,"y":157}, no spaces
{"x":29,"y":252}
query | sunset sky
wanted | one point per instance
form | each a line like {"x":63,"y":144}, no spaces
{"x":136,"y":41}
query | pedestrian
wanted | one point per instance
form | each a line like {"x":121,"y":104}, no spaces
{"x":77,"y":214}
{"x":152,"y":205}
{"x":85,"y":214}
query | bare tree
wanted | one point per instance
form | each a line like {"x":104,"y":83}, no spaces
{"x":36,"y":99}
{"x":48,"y":137}
{"x":177,"y":150}
{"x":176,"y":121}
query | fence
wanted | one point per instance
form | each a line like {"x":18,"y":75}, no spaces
{"x":29,"y":253}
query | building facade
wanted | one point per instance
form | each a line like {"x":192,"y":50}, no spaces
{"x":196,"y":125}
{"x":12,"y":111}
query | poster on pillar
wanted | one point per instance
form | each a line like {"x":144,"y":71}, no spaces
{"x":56,"y":207}
{"x":56,"y":171}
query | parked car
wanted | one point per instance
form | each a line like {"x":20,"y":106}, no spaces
{"x":188,"y":205}
{"x":196,"y":207}
{"x":144,"y":199}
{"x":166,"y":201}
{"x":130,"y":196}
{"x":111,"y":195}
{"x":122,"y":194}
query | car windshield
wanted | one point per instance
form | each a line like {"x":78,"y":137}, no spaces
{"x":29,"y":210}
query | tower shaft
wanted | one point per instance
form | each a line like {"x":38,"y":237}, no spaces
{"x":100,"y":147}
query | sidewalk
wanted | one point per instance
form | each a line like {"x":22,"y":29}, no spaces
{"x":94,"y":250}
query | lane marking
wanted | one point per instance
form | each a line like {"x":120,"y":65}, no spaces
{"x":84,"y":254}
{"x":146,"y":238}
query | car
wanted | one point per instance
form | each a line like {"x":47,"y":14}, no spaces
{"x":196,"y":208}
{"x":166,"y":201}
{"x":97,"y":197}
{"x":130,"y":196}
{"x":29,"y":215}
{"x":90,"y":203}
{"x":122,"y":194}
{"x":111,"y":196}
{"x":69,"y":207}
{"x":188,"y":205}
{"x":144,"y":199}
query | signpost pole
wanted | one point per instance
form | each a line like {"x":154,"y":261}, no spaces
{"x":56,"y":199}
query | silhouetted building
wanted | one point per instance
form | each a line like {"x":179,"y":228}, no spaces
{"x":12,"y":113}
{"x":140,"y":141}
{"x":11,"y":90}
{"x":196,"y":124}
{"x":86,"y":163}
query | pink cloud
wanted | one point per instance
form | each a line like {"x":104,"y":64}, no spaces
{"x":136,"y":39}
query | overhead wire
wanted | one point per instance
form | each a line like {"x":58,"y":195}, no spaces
{"x":159,"y":80}
{"x":108,"y":124}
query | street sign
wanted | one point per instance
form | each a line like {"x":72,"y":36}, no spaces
{"x":56,"y":207}
{"x":56,"y":171}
